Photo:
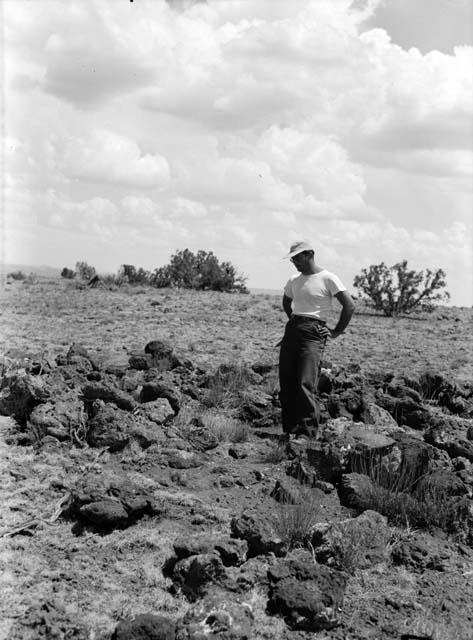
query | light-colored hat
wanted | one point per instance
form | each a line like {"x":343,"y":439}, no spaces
{"x":299,"y":247}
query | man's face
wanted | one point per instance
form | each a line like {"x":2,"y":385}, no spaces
{"x":301,"y":260}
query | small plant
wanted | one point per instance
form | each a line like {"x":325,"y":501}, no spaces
{"x":276,"y":454}
{"x":408,"y":497}
{"x":349,"y":544}
{"x":294,"y":522}
{"x":226,"y":429}
{"x":225,"y":386}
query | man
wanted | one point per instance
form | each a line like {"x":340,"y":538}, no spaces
{"x":307,"y":300}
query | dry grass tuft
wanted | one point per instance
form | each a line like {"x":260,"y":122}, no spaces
{"x":225,"y":428}
{"x":294,"y":522}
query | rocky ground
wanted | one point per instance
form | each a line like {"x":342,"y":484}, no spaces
{"x":146,"y":493}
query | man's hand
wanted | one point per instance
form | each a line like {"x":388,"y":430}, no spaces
{"x":325,"y":332}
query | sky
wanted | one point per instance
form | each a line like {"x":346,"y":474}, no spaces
{"x":136,"y":129}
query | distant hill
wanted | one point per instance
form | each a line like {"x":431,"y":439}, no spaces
{"x":41,"y":270}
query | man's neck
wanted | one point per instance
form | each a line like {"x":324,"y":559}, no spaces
{"x":312,"y":269}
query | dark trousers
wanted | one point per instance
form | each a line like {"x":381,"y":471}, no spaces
{"x":299,"y":365}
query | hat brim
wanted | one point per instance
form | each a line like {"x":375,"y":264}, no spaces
{"x":295,"y":253}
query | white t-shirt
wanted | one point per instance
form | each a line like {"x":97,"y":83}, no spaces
{"x":312,"y":295}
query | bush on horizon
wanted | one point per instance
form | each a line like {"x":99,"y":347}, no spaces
{"x":395,"y":290}
{"x":200,"y":271}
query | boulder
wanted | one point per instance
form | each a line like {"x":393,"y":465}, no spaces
{"x":258,"y":533}
{"x":309,"y":596}
{"x":145,"y":626}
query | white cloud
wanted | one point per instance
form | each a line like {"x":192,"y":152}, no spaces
{"x":216,"y":124}
{"x":108,"y":157}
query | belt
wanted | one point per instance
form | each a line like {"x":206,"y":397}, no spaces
{"x":298,"y":319}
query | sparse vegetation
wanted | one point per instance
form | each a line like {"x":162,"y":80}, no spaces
{"x":68,"y":274}
{"x":201,"y":271}
{"x":17,"y":275}
{"x":396,"y":290}
{"x":85,"y":271}
{"x":294,"y":522}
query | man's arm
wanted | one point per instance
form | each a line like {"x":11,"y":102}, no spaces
{"x":287,"y":305}
{"x":348,"y":308}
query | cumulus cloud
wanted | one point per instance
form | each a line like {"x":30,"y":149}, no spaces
{"x":108,"y":157}
{"x":220,"y":123}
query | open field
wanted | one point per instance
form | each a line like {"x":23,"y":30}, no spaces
{"x":206,"y":463}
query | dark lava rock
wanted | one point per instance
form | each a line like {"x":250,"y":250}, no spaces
{"x":259,"y":534}
{"x":163,"y":355}
{"x":308,"y":595}
{"x":145,"y":626}
{"x":21,"y":395}
{"x":108,"y":393}
{"x":105,"y":514}
{"x":355,"y":491}
{"x":110,"y":503}
{"x":158,"y":389}
{"x":194,"y":575}
{"x":64,"y":419}
{"x":140,"y":361}
{"x":158,"y":411}
{"x":217,"y":617}
{"x":201,"y":437}
{"x":232,"y":551}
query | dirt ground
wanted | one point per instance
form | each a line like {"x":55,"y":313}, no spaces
{"x":57,"y":584}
